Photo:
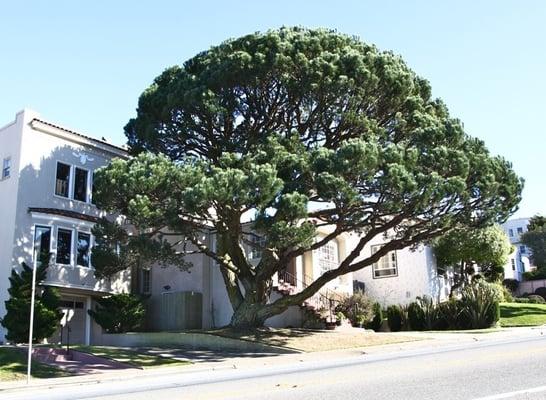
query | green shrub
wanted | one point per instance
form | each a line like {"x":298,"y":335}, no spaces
{"x":422,"y":314}
{"x":46,"y":305}
{"x":536,"y":299}
{"x":395,"y":317}
{"x":511,"y":284}
{"x":507,"y":295}
{"x":415,"y":316}
{"x":358,"y":308}
{"x":539,"y":273}
{"x":479,"y":305}
{"x":498,"y":291}
{"x":377,"y":320}
{"x":119,"y":313}
{"x":521,"y":300}
{"x":448,"y":314}
{"x":541,"y":291}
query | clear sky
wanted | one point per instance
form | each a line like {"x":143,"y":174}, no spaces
{"x":84,"y":64}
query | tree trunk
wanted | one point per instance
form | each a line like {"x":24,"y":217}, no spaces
{"x":249,"y":315}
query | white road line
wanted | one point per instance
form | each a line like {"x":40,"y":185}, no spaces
{"x":507,"y":395}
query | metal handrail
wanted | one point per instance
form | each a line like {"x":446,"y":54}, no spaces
{"x":322,"y":300}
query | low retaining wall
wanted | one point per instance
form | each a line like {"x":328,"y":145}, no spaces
{"x":191,"y":340}
{"x":530,"y":286}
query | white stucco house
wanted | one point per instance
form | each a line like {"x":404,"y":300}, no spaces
{"x":47,"y":203}
{"x":402,"y":275}
{"x":520,"y":259}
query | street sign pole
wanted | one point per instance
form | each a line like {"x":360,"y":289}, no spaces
{"x":31,"y":325}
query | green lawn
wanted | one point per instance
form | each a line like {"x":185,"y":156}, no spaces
{"x":13,"y":365}
{"x":522,"y":314}
{"x":140,"y":359}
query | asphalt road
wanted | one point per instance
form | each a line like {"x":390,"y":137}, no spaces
{"x":509,"y":369}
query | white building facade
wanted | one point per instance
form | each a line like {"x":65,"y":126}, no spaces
{"x":519,"y":261}
{"x":46,"y":205}
{"x":402,"y":275}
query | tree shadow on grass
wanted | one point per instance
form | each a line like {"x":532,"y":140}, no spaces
{"x":13,"y":365}
{"x":522,"y":311}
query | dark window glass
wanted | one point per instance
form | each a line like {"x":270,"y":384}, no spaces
{"x":146,"y":281}
{"x":520,"y":230}
{"x":84,"y":244}
{"x":42,"y":241}
{"x":6,"y":168}
{"x":62,"y":182}
{"x":64,"y":245}
{"x":80,"y":184}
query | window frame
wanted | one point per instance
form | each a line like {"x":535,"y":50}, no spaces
{"x":375,"y":265}
{"x":71,"y":247}
{"x":149,"y":281}
{"x":70,"y":181}
{"x":87,"y":184}
{"x":35,"y":228}
{"x":77,"y":264}
{"x":328,"y":257}
{"x":256,"y":253}
{"x":6,"y":161}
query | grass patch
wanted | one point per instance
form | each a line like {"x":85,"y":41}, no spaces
{"x":136,"y":358}
{"x":308,"y":340}
{"x":13,"y":365}
{"x":522,"y":314}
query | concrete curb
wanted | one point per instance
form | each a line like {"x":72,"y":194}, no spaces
{"x":190,"y":340}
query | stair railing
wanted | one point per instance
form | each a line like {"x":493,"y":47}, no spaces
{"x":325,"y":299}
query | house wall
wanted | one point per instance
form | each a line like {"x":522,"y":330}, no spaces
{"x":40,"y":153}
{"x":10,"y":146}
{"x":35,"y":147}
{"x":519,"y":260}
{"x":417,"y":276}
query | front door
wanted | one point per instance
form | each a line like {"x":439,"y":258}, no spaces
{"x":73,"y":331}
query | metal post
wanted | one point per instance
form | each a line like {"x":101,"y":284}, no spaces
{"x":31,"y":327}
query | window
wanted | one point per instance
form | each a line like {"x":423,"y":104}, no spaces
{"x":511,"y":232}
{"x":62,"y":182}
{"x":6,"y":168}
{"x":64,"y":246}
{"x":513,"y":264}
{"x":387,"y":265}
{"x":42,"y":241}
{"x":146,"y":280}
{"x":520,"y":230}
{"x":82,"y":249}
{"x":80,"y":184}
{"x":258,"y":243}
{"x":328,"y":257}
{"x":522,"y":249}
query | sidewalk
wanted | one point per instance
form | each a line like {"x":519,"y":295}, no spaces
{"x":428,"y":340}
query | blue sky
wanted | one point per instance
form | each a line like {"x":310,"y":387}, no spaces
{"x":84,"y":64}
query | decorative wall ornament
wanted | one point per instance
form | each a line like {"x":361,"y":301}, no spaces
{"x":83,"y":157}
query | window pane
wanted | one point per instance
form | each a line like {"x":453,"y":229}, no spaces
{"x":62,"y":182}
{"x":64,"y":245}
{"x":6,"y":168}
{"x":80,"y":185}
{"x":146,"y":281}
{"x":42,"y":240}
{"x":83,"y":246}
